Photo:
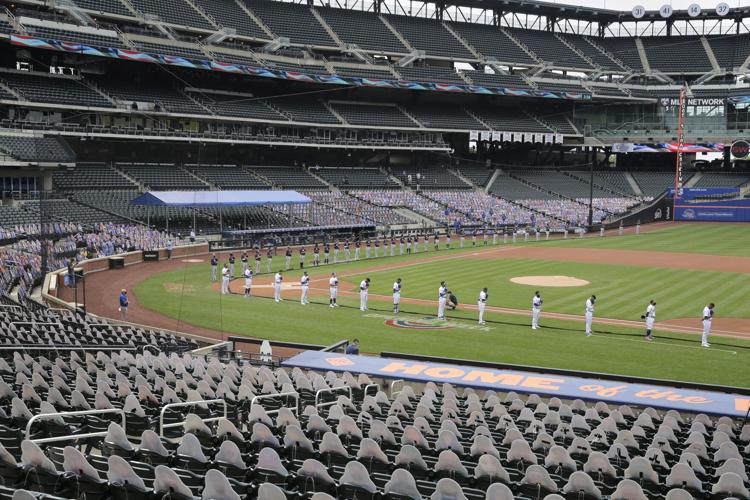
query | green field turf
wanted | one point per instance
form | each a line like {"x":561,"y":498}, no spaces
{"x":623,"y":292}
{"x":713,"y":239}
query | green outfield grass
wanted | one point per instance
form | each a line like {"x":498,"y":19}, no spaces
{"x":622,"y":290}
{"x":713,"y":239}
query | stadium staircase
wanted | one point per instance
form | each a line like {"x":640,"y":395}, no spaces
{"x":334,"y":112}
{"x":208,"y":17}
{"x":257,"y":20}
{"x":198,"y":178}
{"x":642,"y":54}
{"x":477,"y":118}
{"x":633,"y":184}
{"x":580,"y":54}
{"x":691,"y":182}
{"x":596,"y":185}
{"x":396,"y":33}
{"x":608,"y":55}
{"x":542,"y":189}
{"x":522,"y":46}
{"x":492,"y":180}
{"x":463,"y":41}
{"x":141,"y":186}
{"x":328,"y":29}
{"x":410,"y":116}
{"x":711,"y":56}
{"x":411,"y":214}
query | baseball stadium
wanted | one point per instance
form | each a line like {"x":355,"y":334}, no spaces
{"x":374,"y":249}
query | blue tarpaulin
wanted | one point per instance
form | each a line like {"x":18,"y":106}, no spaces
{"x":219,"y":198}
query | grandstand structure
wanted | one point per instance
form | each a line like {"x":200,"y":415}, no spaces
{"x":388,"y":119}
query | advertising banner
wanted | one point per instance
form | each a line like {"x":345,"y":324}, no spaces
{"x":563,"y":386}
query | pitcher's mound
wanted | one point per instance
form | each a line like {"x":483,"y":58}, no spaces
{"x":549,"y":281}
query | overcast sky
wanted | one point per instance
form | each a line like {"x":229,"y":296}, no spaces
{"x":653,"y":4}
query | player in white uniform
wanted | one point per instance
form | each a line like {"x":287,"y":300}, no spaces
{"x":536,"y":310}
{"x":248,"y":282}
{"x":396,"y":295}
{"x":277,"y":279}
{"x":590,"y":314}
{"x":482,"y":304}
{"x":364,"y":287}
{"x":304,"y":283}
{"x":333,"y":284}
{"x":442,"y":296}
{"x":225,"y":279}
{"x":708,"y":316}
{"x":650,"y":317}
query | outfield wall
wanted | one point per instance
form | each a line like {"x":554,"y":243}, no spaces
{"x":723,"y":211}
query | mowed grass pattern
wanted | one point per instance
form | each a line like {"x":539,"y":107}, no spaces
{"x":623,"y":292}
{"x":712,"y":239}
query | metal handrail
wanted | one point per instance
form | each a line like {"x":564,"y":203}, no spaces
{"x":279,"y":395}
{"x":393,"y":385}
{"x":189,"y":403}
{"x":375,"y":386}
{"x":331,"y":390}
{"x":48,"y":416}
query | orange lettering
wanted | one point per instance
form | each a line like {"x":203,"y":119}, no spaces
{"x":543,"y":383}
{"x":401,"y":367}
{"x":493,"y":378}
{"x":444,"y":372}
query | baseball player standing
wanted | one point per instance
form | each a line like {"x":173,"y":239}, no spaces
{"x":231,"y":265}
{"x":590,"y":314}
{"x":304,"y":283}
{"x":288,"y":258}
{"x":364,"y":286}
{"x":708,"y":316}
{"x":482,"y":304}
{"x":214,"y":267}
{"x":396,"y":295}
{"x":316,"y":255}
{"x":333,"y":284}
{"x":277,"y":279}
{"x":257,"y":261}
{"x":243,"y":259}
{"x":302,"y":255}
{"x":367,"y":249}
{"x":536,"y":310}
{"x":442,"y":292}
{"x":335,"y":252}
{"x":248,"y":282}
{"x":225,"y":279}
{"x":650,"y":317}
{"x":347,"y":252}
{"x":357,"y":245}
{"x":269,"y":259}
{"x":326,"y":252}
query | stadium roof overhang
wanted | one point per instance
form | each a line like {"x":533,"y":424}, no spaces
{"x":606,"y":16}
{"x":219,"y":198}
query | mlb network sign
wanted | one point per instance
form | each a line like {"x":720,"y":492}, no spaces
{"x":673,"y":102}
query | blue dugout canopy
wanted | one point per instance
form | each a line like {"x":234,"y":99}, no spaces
{"x":219,"y":198}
